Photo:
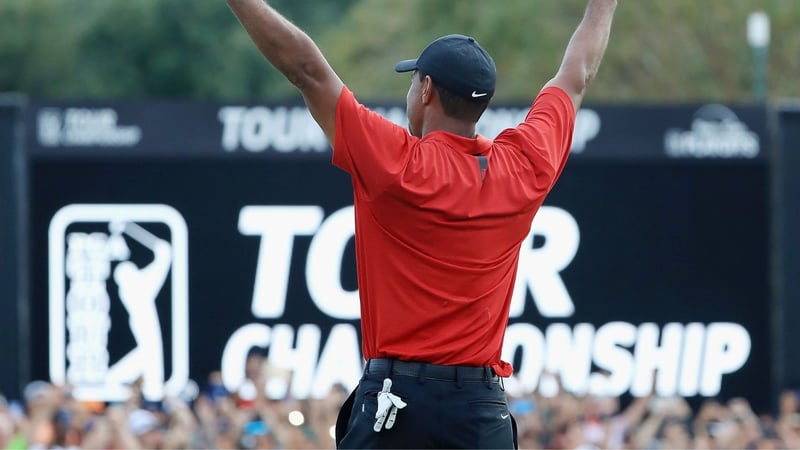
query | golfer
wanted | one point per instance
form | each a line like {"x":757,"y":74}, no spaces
{"x":440,"y":213}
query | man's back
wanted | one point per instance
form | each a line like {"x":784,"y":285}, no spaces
{"x":439,"y":222}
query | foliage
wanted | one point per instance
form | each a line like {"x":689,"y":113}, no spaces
{"x":660,"y":50}
{"x":665,"y":50}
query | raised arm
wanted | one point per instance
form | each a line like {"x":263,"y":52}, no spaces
{"x":585,"y":50}
{"x":295,"y":55}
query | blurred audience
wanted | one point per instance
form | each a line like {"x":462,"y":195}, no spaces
{"x":48,"y":417}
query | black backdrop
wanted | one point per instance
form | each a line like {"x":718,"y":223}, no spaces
{"x":786,"y":245}
{"x":663,"y":239}
{"x":659,"y":243}
{"x":12,"y":231}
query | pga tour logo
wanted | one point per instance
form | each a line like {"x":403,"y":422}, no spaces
{"x":119,"y":261}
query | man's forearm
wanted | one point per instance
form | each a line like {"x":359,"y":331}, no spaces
{"x":284,"y":45}
{"x":295,"y":55}
{"x":588,"y":44}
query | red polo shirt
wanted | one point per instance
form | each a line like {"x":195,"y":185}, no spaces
{"x":437,"y":247}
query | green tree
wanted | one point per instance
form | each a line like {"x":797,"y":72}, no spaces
{"x":38,"y":41}
{"x":142,"y":48}
{"x":661,"y":50}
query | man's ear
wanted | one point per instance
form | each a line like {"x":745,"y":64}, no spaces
{"x":427,"y":90}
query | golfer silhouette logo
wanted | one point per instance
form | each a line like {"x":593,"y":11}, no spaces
{"x":138,"y":289}
{"x":103,"y":253}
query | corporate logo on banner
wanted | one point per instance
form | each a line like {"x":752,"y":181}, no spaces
{"x":716,"y":132}
{"x":107,"y":257}
{"x":91,"y":269}
{"x":84,"y":127}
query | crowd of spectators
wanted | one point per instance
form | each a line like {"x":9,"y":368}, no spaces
{"x":48,"y":417}
{"x":567,"y":421}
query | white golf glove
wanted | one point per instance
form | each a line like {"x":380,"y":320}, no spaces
{"x":388,"y":404}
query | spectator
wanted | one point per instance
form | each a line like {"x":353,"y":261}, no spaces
{"x":50,"y":418}
{"x":788,"y":421}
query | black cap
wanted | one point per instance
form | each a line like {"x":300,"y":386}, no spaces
{"x":457,"y":63}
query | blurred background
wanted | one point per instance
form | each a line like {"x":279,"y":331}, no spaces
{"x":177,"y":266}
{"x":662,"y":51}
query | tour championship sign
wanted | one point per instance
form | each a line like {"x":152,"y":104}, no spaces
{"x":170,"y":240}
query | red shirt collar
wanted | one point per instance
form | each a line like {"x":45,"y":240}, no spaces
{"x":471,"y":146}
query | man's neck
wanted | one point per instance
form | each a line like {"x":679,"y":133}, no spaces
{"x":450,"y":125}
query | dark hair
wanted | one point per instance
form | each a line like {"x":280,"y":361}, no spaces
{"x":458,"y":107}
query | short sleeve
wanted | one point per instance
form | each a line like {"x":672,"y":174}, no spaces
{"x":371,"y":148}
{"x":545,"y":136}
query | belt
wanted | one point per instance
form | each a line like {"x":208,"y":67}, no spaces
{"x":387,"y":366}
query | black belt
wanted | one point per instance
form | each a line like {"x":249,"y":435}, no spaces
{"x":429,"y":371}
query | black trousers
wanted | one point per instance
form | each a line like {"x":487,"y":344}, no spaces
{"x":447,"y":407}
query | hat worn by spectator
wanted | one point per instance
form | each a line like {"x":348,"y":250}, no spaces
{"x":35,"y":390}
{"x":142,"y":421}
{"x":457,"y":63}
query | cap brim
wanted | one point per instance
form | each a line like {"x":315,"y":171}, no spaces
{"x":406,"y":66}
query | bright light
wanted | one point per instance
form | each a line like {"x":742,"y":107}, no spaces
{"x":296,"y":418}
{"x":758,"y":29}
{"x":247,"y":391}
{"x":276,"y":388}
{"x":332,"y":431}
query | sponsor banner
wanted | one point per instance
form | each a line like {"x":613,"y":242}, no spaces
{"x":170,"y":129}
{"x":631,"y":273}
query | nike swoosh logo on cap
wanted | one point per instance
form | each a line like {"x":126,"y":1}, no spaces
{"x":476,"y":95}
